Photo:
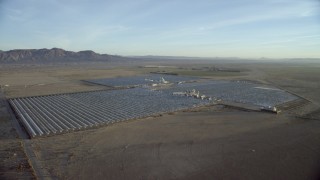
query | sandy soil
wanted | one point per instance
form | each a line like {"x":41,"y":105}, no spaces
{"x":211,"y":143}
{"x":13,"y":161}
{"x":221,"y":144}
{"x":44,"y":81}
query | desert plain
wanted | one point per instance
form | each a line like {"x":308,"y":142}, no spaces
{"x":211,"y":142}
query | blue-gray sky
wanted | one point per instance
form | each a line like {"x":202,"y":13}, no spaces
{"x":203,"y":28}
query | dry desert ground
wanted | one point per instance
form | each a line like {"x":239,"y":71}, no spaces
{"x":213,"y":142}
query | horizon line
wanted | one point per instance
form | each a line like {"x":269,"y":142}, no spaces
{"x":174,"y":56}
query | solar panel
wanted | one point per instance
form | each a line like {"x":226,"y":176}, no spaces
{"x":140,"y":80}
{"x":47,"y":115}
{"x":238,"y":91}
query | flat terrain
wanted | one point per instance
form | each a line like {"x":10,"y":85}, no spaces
{"x":13,"y":161}
{"x":206,"y":143}
{"x":224,"y":144}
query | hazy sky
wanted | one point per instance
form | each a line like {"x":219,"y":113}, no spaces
{"x":205,"y":28}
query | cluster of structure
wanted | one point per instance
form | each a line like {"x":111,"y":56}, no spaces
{"x":193,"y":93}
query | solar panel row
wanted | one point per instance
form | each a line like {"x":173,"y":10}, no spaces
{"x":140,"y":80}
{"x":46,"y":115}
{"x":238,"y":91}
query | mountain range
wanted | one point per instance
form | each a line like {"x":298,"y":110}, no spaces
{"x":52,"y":55}
{"x":63,"y":56}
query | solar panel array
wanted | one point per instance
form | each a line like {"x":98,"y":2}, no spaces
{"x":140,"y":80}
{"x":47,"y":115}
{"x":238,"y":91}
{"x":53,"y":114}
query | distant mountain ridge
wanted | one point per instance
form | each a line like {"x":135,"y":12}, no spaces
{"x":51,"y":55}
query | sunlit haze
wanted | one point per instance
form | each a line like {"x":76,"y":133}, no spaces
{"x":203,"y":28}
